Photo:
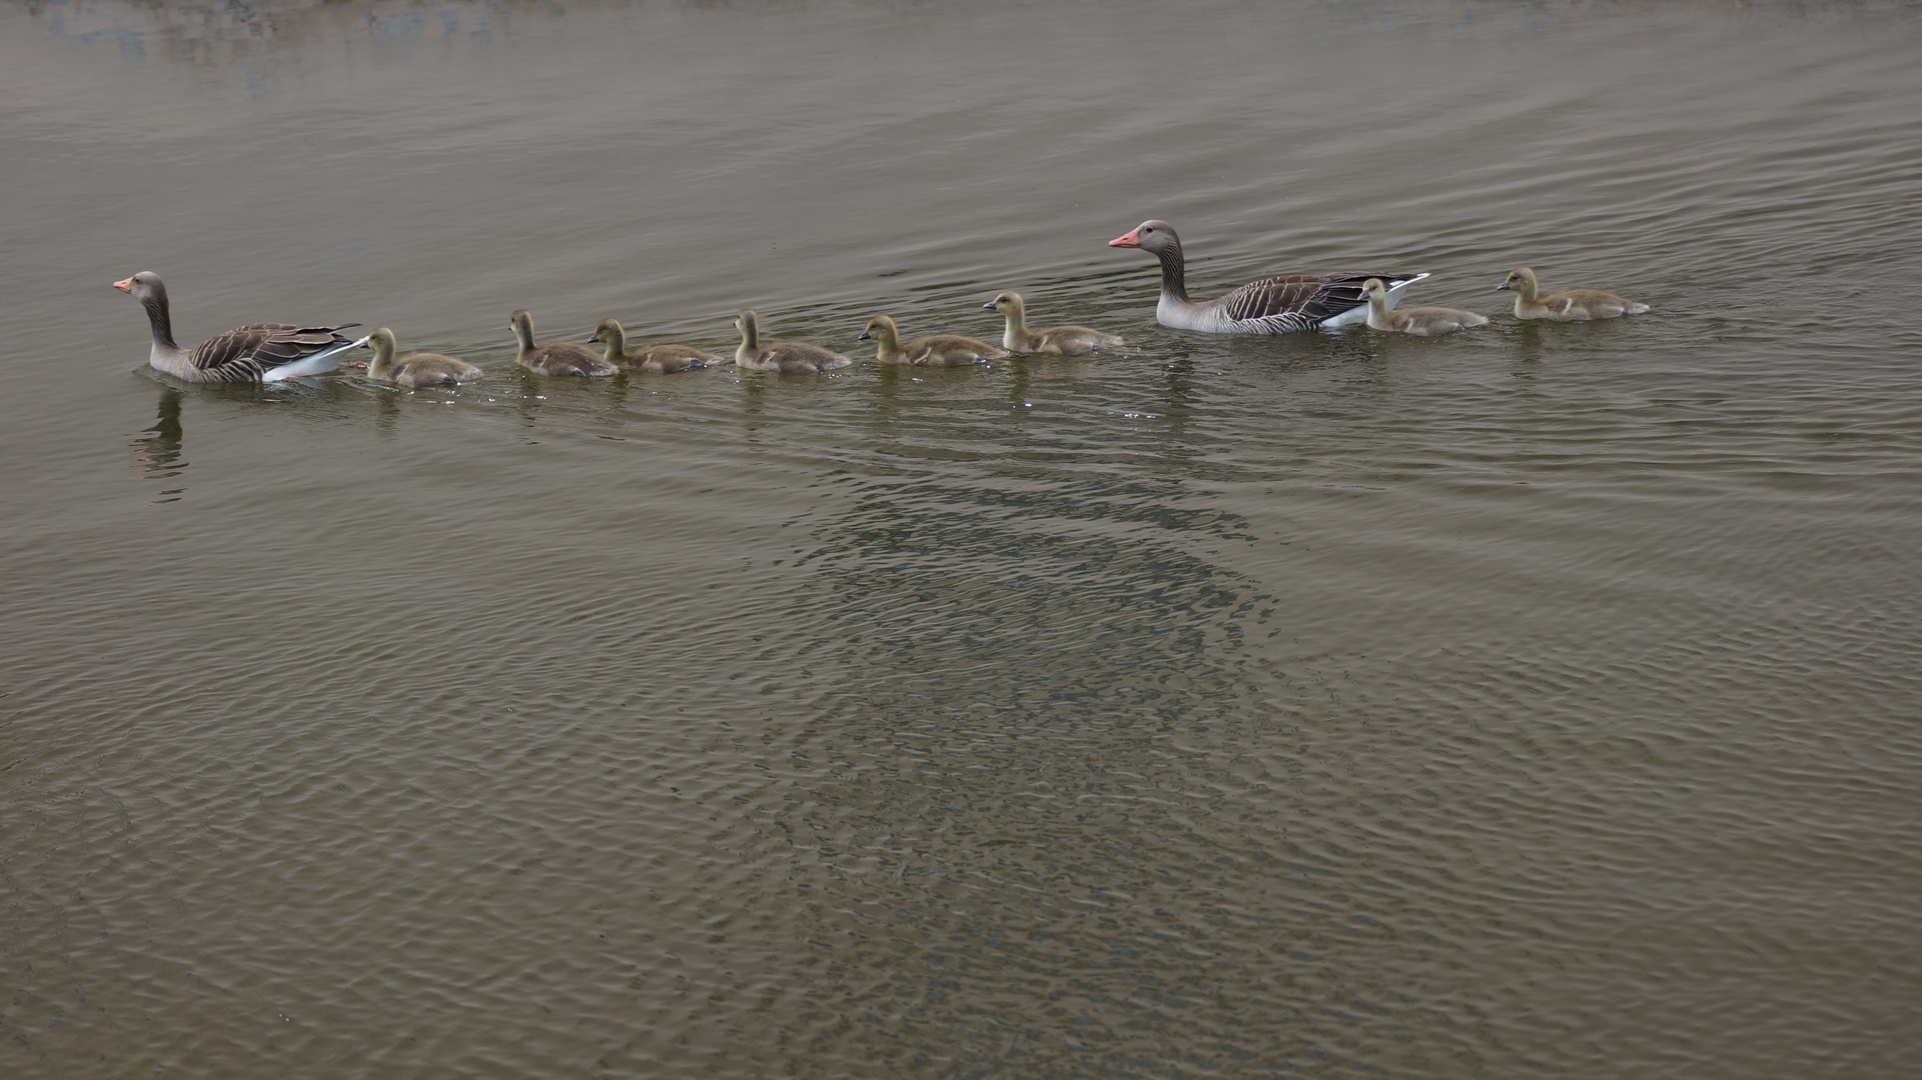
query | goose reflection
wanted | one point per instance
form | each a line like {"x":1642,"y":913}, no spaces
{"x":157,"y":449}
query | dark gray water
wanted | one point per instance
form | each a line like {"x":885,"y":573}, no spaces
{"x":1541,"y":701}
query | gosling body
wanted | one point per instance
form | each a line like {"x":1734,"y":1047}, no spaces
{"x":1569,"y":305}
{"x":1056,"y":340}
{"x":656,"y":359}
{"x":792,"y":357}
{"x":1419,"y":321}
{"x":414,"y":369}
{"x":937,"y":350}
{"x":556,"y":358}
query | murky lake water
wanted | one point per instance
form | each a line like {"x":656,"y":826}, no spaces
{"x":1540,"y":701}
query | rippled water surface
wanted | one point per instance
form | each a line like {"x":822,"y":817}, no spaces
{"x":1539,"y":701}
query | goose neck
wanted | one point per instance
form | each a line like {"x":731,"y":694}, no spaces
{"x":155,"y":301}
{"x":1174,"y":275}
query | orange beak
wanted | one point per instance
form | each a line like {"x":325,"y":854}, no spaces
{"x":124,"y":286}
{"x":1129,"y":240}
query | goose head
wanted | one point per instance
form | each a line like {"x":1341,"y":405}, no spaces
{"x":1151,"y":235}
{"x":142,"y":286}
{"x":882,"y":329}
{"x":1008,"y":303}
{"x":146,"y":288}
{"x":1522,"y":280}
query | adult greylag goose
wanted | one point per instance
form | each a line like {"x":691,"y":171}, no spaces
{"x":1059,"y":340}
{"x":1569,"y":305}
{"x":1421,"y":321}
{"x":257,"y":352}
{"x":658,"y":359}
{"x":555,"y":358}
{"x":793,"y":357}
{"x":415,"y":369}
{"x":938,"y":350}
{"x":1277,"y":305}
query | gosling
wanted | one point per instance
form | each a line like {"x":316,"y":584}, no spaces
{"x":793,"y":357}
{"x":415,"y":369}
{"x":1421,"y":321}
{"x":557,"y":358}
{"x":939,"y":350}
{"x":1569,"y":305}
{"x":1059,"y":340}
{"x":655,"y":359}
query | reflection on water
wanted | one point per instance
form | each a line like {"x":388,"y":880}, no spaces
{"x":158,"y":452}
{"x":1032,"y":725}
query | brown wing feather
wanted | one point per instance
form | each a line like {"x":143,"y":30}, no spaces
{"x":1274,"y":296}
{"x":244,"y":353}
{"x":1301,"y":298}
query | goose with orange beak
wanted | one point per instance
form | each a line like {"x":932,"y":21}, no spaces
{"x":257,"y":352}
{"x":1277,"y":305}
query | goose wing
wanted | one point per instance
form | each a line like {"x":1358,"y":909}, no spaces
{"x":248,"y":352}
{"x":1301,"y":301}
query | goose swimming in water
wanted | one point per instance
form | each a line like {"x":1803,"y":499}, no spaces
{"x":1277,"y":305}
{"x":257,"y":352}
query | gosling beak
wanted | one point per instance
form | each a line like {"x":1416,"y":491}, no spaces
{"x":1132,"y":239}
{"x":124,"y":286}
{"x":989,"y":306}
{"x":865,"y":336}
{"x":1503,"y":287}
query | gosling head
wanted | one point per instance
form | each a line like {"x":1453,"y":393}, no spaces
{"x":383,"y":343}
{"x":1521,"y":279}
{"x":1006,"y":303}
{"x":608,"y":331}
{"x":522,"y":324}
{"x":882,"y":328}
{"x":1375,"y":289}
